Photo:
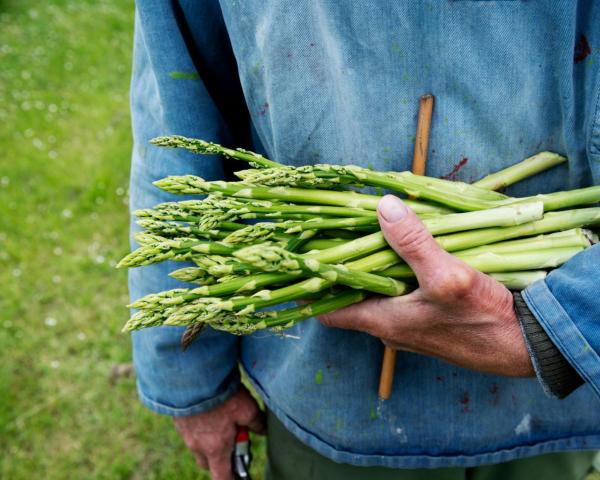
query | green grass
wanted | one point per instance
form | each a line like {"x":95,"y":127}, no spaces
{"x":64,"y":165}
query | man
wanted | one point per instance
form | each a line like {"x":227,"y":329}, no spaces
{"x":338,"y":82}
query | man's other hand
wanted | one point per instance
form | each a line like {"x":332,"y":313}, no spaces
{"x":210,"y":435}
{"x":457,"y":314}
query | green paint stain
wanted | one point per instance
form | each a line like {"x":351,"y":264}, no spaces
{"x":338,"y":424}
{"x":319,"y":377}
{"x":255,"y":70}
{"x":590,"y":61}
{"x":396,"y":48}
{"x":184,"y":76}
{"x":373,"y":413}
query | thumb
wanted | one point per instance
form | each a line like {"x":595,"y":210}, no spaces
{"x":409,"y":238}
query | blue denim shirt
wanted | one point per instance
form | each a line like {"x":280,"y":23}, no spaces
{"x":329,"y":81}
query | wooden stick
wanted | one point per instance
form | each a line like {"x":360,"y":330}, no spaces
{"x":422,"y":138}
{"x":388,"y":365}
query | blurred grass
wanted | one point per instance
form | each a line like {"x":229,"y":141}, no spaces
{"x":64,"y":164}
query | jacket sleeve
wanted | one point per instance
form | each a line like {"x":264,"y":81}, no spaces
{"x":184,"y":82}
{"x":567,"y":306}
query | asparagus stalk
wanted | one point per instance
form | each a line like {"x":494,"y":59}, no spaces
{"x":458,"y":195}
{"x":531,"y":260}
{"x":283,"y":319}
{"x":172,"y":249}
{"x":208,"y":148}
{"x":191,"y":333}
{"x":567,"y":199}
{"x":330,"y":223}
{"x":501,"y":216}
{"x":194,"y":275}
{"x":168,"y":229}
{"x":552,"y":222}
{"x":576,"y":237}
{"x":489,"y":262}
{"x":275,"y":259}
{"x":190,"y":184}
{"x":321,"y":244}
{"x":519,"y":280}
{"x":524,"y":169}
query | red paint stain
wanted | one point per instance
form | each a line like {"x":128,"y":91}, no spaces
{"x":582,"y":49}
{"x":313,"y":44}
{"x":289,"y":55}
{"x":464,"y":401}
{"x":254,"y":364}
{"x":264,"y":109}
{"x":452,"y":174}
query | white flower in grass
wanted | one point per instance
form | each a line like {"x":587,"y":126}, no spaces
{"x":50,"y":321}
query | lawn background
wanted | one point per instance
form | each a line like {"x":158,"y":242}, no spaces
{"x":65,"y":409}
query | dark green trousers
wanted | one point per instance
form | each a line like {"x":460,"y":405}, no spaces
{"x":289,"y":459}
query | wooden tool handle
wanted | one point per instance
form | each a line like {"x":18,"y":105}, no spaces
{"x":388,"y":365}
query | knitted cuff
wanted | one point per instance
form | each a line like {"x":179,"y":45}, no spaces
{"x":555,"y":373}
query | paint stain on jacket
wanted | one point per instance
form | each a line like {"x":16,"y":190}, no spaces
{"x":464,"y":401}
{"x":452,"y":174}
{"x":582,"y":49}
{"x":184,"y":76}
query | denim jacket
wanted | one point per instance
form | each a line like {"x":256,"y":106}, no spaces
{"x":337,"y":82}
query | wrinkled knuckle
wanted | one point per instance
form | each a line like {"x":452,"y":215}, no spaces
{"x":249,"y":412}
{"x":456,"y":283}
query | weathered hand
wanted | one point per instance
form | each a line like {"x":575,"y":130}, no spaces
{"x":210,"y":435}
{"x":457,"y":314}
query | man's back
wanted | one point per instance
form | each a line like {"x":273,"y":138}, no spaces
{"x":332,"y":82}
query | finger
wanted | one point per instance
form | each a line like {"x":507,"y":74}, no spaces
{"x":409,"y":238}
{"x":249,"y":414}
{"x":257,"y":424}
{"x":371,"y":316}
{"x":220,"y":464}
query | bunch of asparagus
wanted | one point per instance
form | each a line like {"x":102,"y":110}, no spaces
{"x":318,"y":238}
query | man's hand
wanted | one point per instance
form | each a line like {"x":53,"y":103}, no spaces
{"x":211,"y":435}
{"x":457,"y":314}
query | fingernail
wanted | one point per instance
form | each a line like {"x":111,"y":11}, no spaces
{"x":392,"y":209}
